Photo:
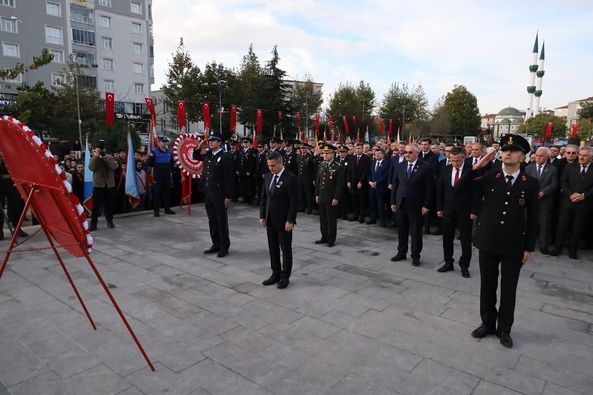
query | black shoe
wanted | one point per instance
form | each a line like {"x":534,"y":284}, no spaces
{"x":436,"y":232}
{"x":482,"y":331}
{"x":92,"y":228}
{"x":371,"y":222}
{"x":320,"y":241}
{"x":573,"y":255}
{"x":331,"y":243}
{"x":361,"y":220}
{"x":382,"y":224}
{"x":170,"y":212}
{"x":309,"y":212}
{"x":212,"y":250}
{"x":447,"y":267}
{"x":544,"y":251}
{"x":222,"y":253}
{"x":1,"y":235}
{"x":505,"y":339}
{"x":555,"y":252}
{"x":110,"y":225}
{"x":398,"y":257}
{"x":156,"y":214}
{"x":415,"y":261}
{"x":465,"y":273}
{"x":272,"y":280}
{"x":22,"y":233}
{"x":283,"y":283}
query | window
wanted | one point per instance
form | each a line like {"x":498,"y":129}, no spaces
{"x":11,"y":50}
{"x":57,"y":79}
{"x":107,"y":64}
{"x":108,"y":85}
{"x":53,"y":9}
{"x":140,"y":108}
{"x":8,"y":3}
{"x":105,"y":3}
{"x":58,"y":55}
{"x":139,"y":89}
{"x":87,"y":81}
{"x":85,"y":59}
{"x":83,"y":37}
{"x":105,"y":21}
{"x":138,"y":68}
{"x":9,"y":25}
{"x":137,"y":48}
{"x":107,"y":42}
{"x":152,"y":51}
{"x":81,"y":14}
{"x":136,"y":28}
{"x":53,"y":35}
{"x":135,"y":7}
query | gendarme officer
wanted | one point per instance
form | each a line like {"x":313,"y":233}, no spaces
{"x":505,"y":234}
{"x":161,"y":161}
{"x":328,"y":189}
{"x":216,"y":183}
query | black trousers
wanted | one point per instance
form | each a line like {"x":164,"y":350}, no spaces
{"x":279,"y":239}
{"x":360,"y":199}
{"x":9,"y":193}
{"x":544,"y":225}
{"x":102,"y":198}
{"x":378,"y":198}
{"x":218,"y":222}
{"x":409,"y":222}
{"x":457,"y":220}
{"x":328,"y":220}
{"x":510,"y":268}
{"x":572,"y":225}
{"x":345,"y":206}
{"x":247,"y":185}
{"x":161,"y":190}
{"x":306,"y":197}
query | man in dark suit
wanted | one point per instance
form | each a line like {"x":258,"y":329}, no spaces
{"x":576,"y":202}
{"x":454,"y":202}
{"x":328,"y":189}
{"x":378,"y":191}
{"x":543,"y":171}
{"x":507,"y":204}
{"x":413,"y":190}
{"x":428,"y":156}
{"x":358,"y":182}
{"x":217,"y":183}
{"x":277,"y":212}
{"x":246,"y":169}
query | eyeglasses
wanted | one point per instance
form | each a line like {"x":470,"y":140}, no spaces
{"x":570,"y":153}
{"x":409,"y":152}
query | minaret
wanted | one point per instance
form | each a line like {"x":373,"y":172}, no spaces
{"x":532,"y":69}
{"x":540,"y":75}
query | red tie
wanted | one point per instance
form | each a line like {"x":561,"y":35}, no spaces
{"x":456,"y":180}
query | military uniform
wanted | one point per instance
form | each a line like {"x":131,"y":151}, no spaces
{"x":305,"y":171}
{"x":345,"y":207}
{"x":290,"y":161}
{"x":246,"y":168}
{"x":329,"y":185}
{"x":261,"y":168}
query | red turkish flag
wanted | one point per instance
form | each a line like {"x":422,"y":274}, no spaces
{"x":330,"y":125}
{"x":297,"y":118}
{"x":150,"y":105}
{"x":317,"y":126}
{"x":181,"y":117}
{"x":549,"y":128}
{"x":382,"y":127}
{"x":279,"y":117}
{"x":259,"y":120}
{"x":233,"y":116}
{"x":346,"y":128}
{"x":575,"y":130}
{"x":254,"y":140}
{"x":109,"y":108}
{"x":206,"y":115}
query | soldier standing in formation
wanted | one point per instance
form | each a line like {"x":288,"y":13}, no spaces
{"x":305,"y":172}
{"x":246,"y":169}
{"x":328,"y":189}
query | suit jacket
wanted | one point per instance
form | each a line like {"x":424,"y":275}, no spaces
{"x":455,"y":199}
{"x":360,"y":172}
{"x":395,"y":161}
{"x":507,"y":222}
{"x":380,"y":175}
{"x":432,"y":159}
{"x":573,"y":182}
{"x":279,"y":205}
{"x":548,"y":182}
{"x":218,"y":178}
{"x":418,"y":190}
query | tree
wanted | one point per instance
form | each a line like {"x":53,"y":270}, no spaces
{"x":35,"y":106}
{"x":250,"y":88}
{"x":38,"y":61}
{"x":219,"y":84}
{"x":183,"y":83}
{"x":402,"y":102}
{"x":305,"y":99}
{"x":537,"y":125}
{"x":356,"y":103}
{"x":586,"y":111}
{"x":585,"y":129}
{"x":277,"y":92}
{"x":461,"y":110}
{"x":439,"y":122}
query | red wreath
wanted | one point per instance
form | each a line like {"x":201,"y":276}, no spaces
{"x":183,"y":154}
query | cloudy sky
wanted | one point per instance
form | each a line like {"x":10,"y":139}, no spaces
{"x":484,"y":45}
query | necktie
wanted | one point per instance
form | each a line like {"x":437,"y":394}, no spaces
{"x":583,"y":171}
{"x":475,"y":161}
{"x":377,"y":165}
{"x":456,"y":180}
{"x":509,"y":182}
{"x":539,"y":171}
{"x":357,"y":160}
{"x":273,"y":184}
{"x":410,"y":167}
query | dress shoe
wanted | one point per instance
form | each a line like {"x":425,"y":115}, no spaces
{"x":573,"y":255}
{"x":170,"y":212}
{"x":309,"y":212}
{"x":22,"y":233}
{"x":92,"y":228}
{"x":436,"y":232}
{"x":447,"y":267}
{"x":272,"y":280}
{"x":156,"y":214}
{"x":398,"y":257}
{"x":382,"y":224}
{"x":415,"y":261}
{"x":212,"y":250}
{"x":505,"y":339}
{"x":331,"y":243}
{"x":110,"y":225}
{"x":482,"y":331}
{"x":371,"y":222}
{"x":361,"y":220}
{"x":320,"y":241}
{"x":283,"y":283}
{"x":555,"y":252}
{"x":222,"y":253}
{"x":465,"y":273}
{"x":544,"y":251}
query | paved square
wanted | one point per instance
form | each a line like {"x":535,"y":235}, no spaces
{"x":351,"y":321}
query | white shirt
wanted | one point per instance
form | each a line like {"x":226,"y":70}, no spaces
{"x":277,"y":175}
{"x":214,"y":153}
{"x":453,"y":170}
{"x":515,"y":175}
{"x":411,"y":163}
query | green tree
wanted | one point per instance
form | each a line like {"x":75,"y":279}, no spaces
{"x":585,"y":129}
{"x":251,"y":86}
{"x":306,"y":99}
{"x":586,"y":111}
{"x":408,"y":103}
{"x":35,"y":106}
{"x":38,"y":61}
{"x":537,"y":125}
{"x":439,"y":122}
{"x":277,"y":94}
{"x":357,"y":104}
{"x":219,"y":86}
{"x":462,"y":112}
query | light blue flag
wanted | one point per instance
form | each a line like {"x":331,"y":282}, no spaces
{"x":131,"y":186}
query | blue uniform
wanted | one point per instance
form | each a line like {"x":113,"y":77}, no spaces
{"x":161,"y":162}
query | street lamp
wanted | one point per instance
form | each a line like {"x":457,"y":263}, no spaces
{"x":219,"y":83}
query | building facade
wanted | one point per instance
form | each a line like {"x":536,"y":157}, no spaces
{"x":111,"y":41}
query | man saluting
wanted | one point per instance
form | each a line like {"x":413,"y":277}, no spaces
{"x":505,"y":234}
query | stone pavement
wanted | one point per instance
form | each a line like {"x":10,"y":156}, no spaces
{"x":351,"y":321}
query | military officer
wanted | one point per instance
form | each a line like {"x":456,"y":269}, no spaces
{"x":290,"y":157}
{"x":161,"y":161}
{"x":328,"y":189}
{"x":247,"y":164}
{"x":305,"y":172}
{"x":345,"y":160}
{"x":505,"y":233}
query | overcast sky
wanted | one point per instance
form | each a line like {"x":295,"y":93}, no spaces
{"x":484,"y":45}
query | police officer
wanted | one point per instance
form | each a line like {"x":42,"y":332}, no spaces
{"x":328,"y":189}
{"x":505,"y":233}
{"x":217,"y":185}
{"x":246,"y":169}
{"x":161,"y":161}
